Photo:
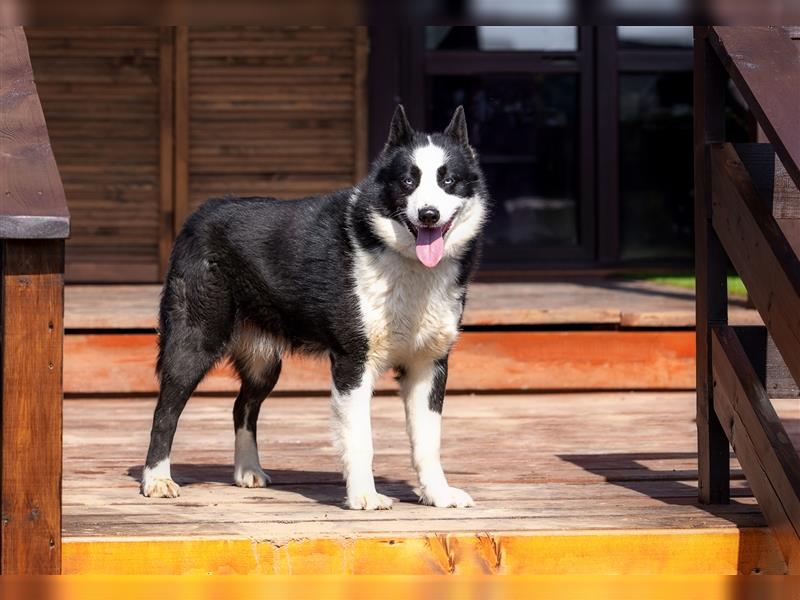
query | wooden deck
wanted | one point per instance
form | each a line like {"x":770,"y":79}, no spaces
{"x":585,"y":301}
{"x":580,"y":483}
{"x":597,"y":334}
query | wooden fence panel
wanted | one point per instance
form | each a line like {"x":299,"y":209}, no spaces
{"x":99,"y":87}
{"x":274,"y":111}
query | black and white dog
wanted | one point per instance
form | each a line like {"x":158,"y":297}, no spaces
{"x":374,"y":277}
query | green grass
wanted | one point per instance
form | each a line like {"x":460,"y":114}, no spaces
{"x":735,"y":285}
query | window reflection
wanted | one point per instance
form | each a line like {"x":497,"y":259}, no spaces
{"x":655,"y":142}
{"x":652,"y":37}
{"x":502,"y":38}
{"x":525,"y":129}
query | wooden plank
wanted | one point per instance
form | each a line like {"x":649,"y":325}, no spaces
{"x":760,"y":441}
{"x":260,"y":104}
{"x":765,"y":65}
{"x":33,"y":202}
{"x":514,"y":361}
{"x":181,"y":125}
{"x":577,"y":302}
{"x":166,"y":90}
{"x":717,"y":552}
{"x":759,"y":251}
{"x":710,"y":269}
{"x":31,"y":352}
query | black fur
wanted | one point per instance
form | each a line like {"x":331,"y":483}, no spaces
{"x":285,"y":268}
{"x":436,"y":397}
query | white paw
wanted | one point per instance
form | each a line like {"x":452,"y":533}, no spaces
{"x":446,"y":497}
{"x":160,"y":487}
{"x":251,"y":477}
{"x":368,"y":501}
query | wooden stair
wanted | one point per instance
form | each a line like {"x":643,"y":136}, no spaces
{"x":588,"y":334}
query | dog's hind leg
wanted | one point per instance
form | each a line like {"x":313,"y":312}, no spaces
{"x":181,"y":371}
{"x":194,"y":330}
{"x":256,"y":386}
{"x":422,"y":387}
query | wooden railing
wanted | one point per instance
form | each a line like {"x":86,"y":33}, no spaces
{"x":33,"y":225}
{"x":747,"y":210}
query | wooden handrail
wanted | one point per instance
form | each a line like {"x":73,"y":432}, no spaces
{"x":33,"y":224}
{"x":764,"y":64}
{"x":32,"y":201}
{"x":736,"y":220}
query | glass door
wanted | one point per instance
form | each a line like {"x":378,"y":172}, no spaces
{"x":527,"y":92}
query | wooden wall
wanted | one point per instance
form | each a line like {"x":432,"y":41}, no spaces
{"x":147,"y":123}
{"x":100,"y":93}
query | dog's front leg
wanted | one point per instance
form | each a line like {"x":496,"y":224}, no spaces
{"x":422,"y":387}
{"x":352,"y":392}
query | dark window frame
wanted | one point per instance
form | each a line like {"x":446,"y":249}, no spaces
{"x":399,"y":64}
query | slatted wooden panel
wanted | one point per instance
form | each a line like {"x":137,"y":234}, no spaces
{"x":100,"y":91}
{"x":276,"y":112}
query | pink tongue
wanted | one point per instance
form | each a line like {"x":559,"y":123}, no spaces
{"x":430,"y":245}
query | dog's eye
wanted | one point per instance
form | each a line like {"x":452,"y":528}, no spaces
{"x":408,"y":182}
{"x":449,"y":181}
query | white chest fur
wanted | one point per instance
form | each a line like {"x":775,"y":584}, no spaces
{"x":409,"y":312}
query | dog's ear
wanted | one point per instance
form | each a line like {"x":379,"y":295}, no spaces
{"x":400,"y":131}
{"x":457,"y":129}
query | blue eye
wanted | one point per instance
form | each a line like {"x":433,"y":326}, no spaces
{"x":449,"y":181}
{"x":408,"y":182}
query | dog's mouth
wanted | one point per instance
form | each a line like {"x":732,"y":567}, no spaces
{"x":430,"y":242}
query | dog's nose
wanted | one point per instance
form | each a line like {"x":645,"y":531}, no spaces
{"x":428,"y":216}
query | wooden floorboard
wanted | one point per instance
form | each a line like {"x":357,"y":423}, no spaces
{"x":568,"y":462}
{"x":587,"y":301}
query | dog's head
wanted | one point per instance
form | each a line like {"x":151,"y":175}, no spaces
{"x":429,"y":199}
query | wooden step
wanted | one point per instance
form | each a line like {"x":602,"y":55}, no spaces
{"x":653,"y":553}
{"x":550,"y":335}
{"x":110,"y":363}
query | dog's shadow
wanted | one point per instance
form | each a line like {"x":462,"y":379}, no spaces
{"x":323,"y":487}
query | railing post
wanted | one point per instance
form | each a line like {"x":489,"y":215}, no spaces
{"x":31,"y":348}
{"x":713,"y":452}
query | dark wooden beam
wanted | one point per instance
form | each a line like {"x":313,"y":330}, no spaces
{"x":764,"y":64}
{"x":166,"y":91}
{"x":762,"y":445}
{"x":181,"y":127}
{"x":31,"y":347}
{"x":759,"y":251}
{"x":711,"y":272}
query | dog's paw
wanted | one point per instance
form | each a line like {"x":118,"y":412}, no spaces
{"x":446,"y":497}
{"x":368,"y":501}
{"x":160,"y":487}
{"x":251,"y":477}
